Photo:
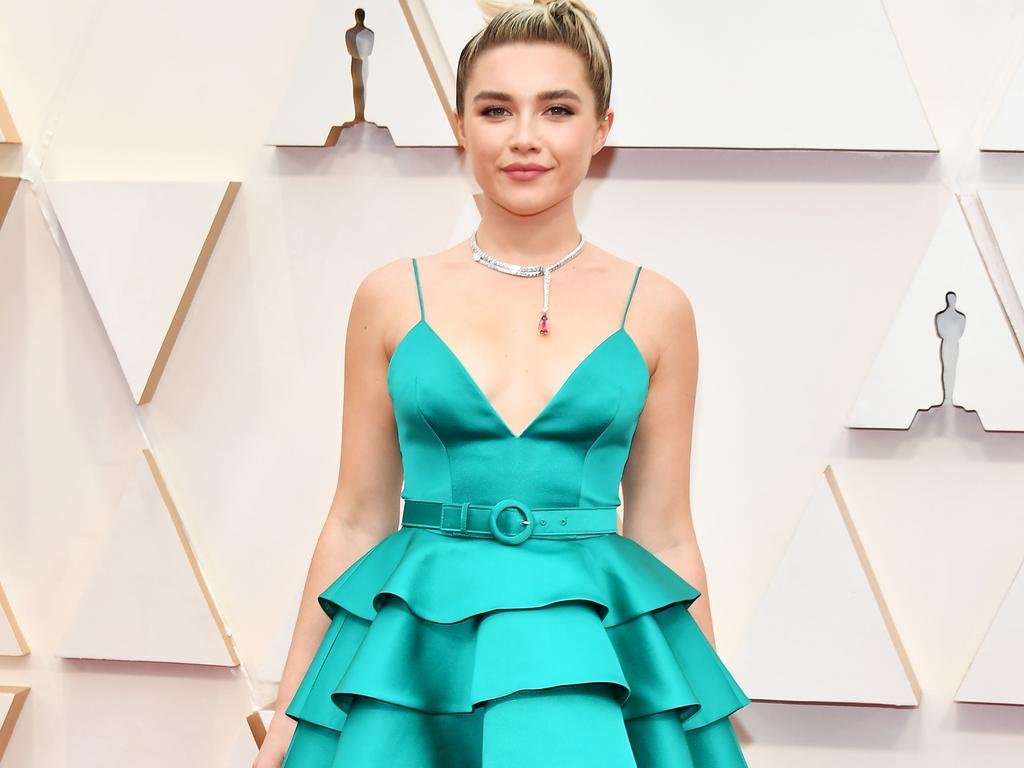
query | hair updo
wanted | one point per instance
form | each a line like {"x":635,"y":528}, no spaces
{"x":565,"y":22}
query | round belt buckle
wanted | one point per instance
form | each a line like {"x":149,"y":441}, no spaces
{"x":511,"y":538}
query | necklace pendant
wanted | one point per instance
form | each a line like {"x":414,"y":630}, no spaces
{"x":527,"y":270}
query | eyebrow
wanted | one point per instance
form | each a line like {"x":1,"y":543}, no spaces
{"x":560,"y":93}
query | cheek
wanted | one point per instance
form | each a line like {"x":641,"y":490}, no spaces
{"x":573,"y":156}
{"x":485,"y":151}
{"x":572,"y":147}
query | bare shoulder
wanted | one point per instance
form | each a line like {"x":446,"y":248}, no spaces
{"x":674,"y":332}
{"x":656,"y":295}
{"x":386,"y":302}
{"x":375,"y":295}
{"x":665,"y":297}
{"x":382,"y":283}
{"x":661,"y":318}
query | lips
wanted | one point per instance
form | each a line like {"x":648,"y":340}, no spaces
{"x":524,"y":167}
{"x":524,"y":171}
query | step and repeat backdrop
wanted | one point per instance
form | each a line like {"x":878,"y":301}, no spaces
{"x":190,"y":193}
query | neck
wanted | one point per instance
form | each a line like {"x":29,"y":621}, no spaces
{"x":534,"y":240}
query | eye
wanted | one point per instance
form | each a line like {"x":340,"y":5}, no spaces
{"x":564,"y":111}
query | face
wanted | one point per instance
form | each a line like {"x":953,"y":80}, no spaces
{"x":530,"y":104}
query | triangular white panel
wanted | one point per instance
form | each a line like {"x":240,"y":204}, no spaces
{"x":268,"y":673}
{"x":793,"y":74}
{"x":996,"y":675}
{"x":822,"y":633}
{"x":249,"y":739}
{"x":1006,"y":131}
{"x":146,"y":599}
{"x":12,"y":641}
{"x":399,"y":91}
{"x":466,"y":220}
{"x":907,"y":374}
{"x":12,"y":699}
{"x":8,"y":132}
{"x":142,"y":248}
{"x":1002,"y":210}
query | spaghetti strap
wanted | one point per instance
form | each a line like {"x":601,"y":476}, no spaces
{"x":419,"y":293}
{"x":630,"y":299}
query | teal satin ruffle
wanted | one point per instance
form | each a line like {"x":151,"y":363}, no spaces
{"x":445,"y":652}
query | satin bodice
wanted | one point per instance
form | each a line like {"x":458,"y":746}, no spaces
{"x":456,"y":447}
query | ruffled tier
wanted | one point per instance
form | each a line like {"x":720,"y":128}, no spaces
{"x":445,"y":652}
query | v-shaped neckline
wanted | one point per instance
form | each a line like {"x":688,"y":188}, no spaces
{"x":478,"y":390}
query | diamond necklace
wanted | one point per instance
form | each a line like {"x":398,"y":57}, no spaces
{"x":527,"y":270}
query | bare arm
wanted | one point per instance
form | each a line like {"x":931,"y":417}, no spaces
{"x":366,"y":503}
{"x":656,"y":479}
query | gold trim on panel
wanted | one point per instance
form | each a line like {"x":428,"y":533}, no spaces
{"x":193,"y":561}
{"x":174,"y":328}
{"x":431,"y":67}
{"x":257,"y":727}
{"x":876,"y":589}
{"x":6,"y":610}
{"x":8,"y":188}
{"x":7,"y":128}
{"x":7,"y":726}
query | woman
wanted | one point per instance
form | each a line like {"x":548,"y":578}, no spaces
{"x":507,"y":622}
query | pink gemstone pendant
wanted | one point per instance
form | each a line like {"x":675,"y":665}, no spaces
{"x":543,"y":325}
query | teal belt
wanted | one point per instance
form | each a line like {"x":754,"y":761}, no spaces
{"x":467,"y":519}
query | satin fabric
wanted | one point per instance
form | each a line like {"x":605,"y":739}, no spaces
{"x":448,"y":651}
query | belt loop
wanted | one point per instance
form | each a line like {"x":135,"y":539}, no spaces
{"x":464,"y":516}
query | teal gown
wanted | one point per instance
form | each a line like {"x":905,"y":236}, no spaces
{"x":488,"y":641}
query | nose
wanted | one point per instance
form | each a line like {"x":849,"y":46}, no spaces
{"x":524,"y":133}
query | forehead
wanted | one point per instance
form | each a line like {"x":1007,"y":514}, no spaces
{"x":522,"y":69}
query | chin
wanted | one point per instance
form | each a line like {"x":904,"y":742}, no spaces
{"x":528,"y":210}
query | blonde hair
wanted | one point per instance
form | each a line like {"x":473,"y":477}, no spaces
{"x":565,"y":22}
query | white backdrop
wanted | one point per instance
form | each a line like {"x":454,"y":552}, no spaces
{"x":796,"y":263}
